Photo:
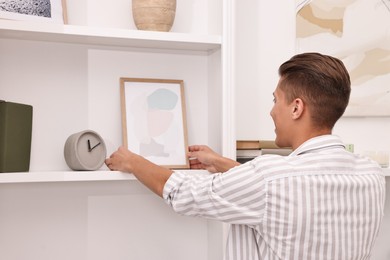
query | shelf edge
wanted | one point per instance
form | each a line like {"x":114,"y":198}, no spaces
{"x":72,"y":176}
{"x":102,"y":36}
{"x":36,"y":177}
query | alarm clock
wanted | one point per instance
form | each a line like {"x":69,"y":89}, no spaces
{"x":85,"y":151}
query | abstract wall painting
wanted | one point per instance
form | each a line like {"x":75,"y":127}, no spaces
{"x":51,"y":11}
{"x":154,"y":120}
{"x":358,"y":33}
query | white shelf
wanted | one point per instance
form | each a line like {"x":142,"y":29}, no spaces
{"x":108,"y":36}
{"x":71,"y":176}
{"x":28,"y":177}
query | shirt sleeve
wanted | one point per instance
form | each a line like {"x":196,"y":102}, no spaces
{"x":236,"y":197}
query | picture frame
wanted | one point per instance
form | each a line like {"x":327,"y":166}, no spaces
{"x":49,"y":11}
{"x":154,"y":120}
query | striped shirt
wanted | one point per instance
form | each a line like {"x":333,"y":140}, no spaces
{"x":320,"y":202}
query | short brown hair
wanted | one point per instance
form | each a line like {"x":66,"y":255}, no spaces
{"x":321,"y":81}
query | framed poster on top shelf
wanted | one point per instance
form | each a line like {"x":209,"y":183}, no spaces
{"x":154,"y":120}
{"x":50,"y":11}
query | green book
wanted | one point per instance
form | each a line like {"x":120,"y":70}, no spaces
{"x":15,"y":136}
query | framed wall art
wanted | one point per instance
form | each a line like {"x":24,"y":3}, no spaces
{"x":154,"y":120}
{"x":51,"y":11}
{"x":358,"y":33}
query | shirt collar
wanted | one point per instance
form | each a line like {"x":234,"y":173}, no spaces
{"x":318,"y":142}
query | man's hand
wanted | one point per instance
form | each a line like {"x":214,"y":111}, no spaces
{"x":202,"y":157}
{"x":121,"y":160}
{"x":151,"y":175}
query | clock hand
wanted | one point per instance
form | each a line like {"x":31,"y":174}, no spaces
{"x":94,"y":146}
{"x":89,"y":146}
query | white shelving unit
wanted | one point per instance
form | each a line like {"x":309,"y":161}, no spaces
{"x":70,"y":75}
{"x":206,"y":86}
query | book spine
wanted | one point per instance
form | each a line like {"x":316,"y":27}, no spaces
{"x":257,"y":145}
{"x":3,"y":134}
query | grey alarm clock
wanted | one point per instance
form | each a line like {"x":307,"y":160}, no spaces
{"x":85,"y":151}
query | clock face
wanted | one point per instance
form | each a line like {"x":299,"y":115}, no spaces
{"x":91,"y":150}
{"x":85,"y":150}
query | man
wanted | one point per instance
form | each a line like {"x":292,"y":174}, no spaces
{"x":320,"y":202}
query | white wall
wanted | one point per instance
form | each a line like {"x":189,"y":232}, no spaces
{"x":266,"y":38}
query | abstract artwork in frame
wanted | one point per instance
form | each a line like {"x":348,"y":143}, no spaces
{"x":50,"y":11}
{"x":358,"y":33}
{"x":154,"y":120}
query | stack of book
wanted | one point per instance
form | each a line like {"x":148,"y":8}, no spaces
{"x":250,"y":149}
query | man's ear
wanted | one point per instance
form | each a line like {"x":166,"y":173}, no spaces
{"x":297,"y":108}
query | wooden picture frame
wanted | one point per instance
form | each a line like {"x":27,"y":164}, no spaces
{"x":154,"y":120}
{"x":53,"y":12}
